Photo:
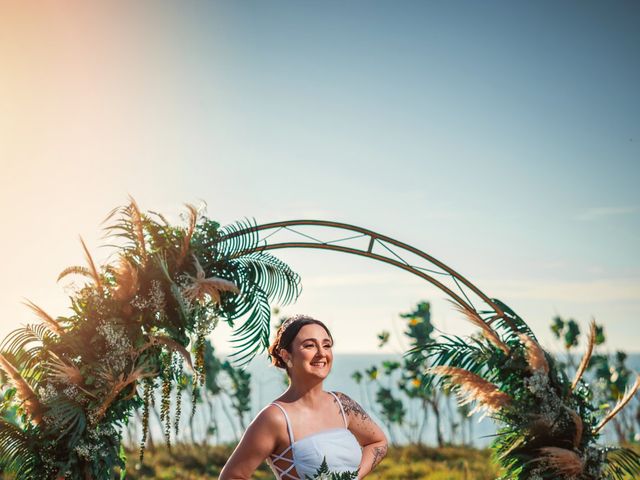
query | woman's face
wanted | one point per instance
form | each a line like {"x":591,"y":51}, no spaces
{"x":311,"y":351}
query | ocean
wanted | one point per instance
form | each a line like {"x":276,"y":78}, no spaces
{"x":215,"y":422}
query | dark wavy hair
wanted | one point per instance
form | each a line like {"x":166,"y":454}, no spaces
{"x":287,"y":332}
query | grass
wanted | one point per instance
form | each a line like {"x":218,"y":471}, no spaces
{"x":413,"y":462}
{"x":188,"y":462}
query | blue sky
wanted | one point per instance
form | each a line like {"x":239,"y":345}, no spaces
{"x":501,"y":137}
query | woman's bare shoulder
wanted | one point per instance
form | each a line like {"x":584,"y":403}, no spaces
{"x":270,"y":417}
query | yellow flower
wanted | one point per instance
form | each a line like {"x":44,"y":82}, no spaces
{"x":416,"y":382}
{"x":414,"y":321}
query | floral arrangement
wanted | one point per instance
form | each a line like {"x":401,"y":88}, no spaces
{"x":548,"y":427}
{"x":323,"y":473}
{"x":134,"y":325}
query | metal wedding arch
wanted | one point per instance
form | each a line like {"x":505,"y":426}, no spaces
{"x":367,"y":243}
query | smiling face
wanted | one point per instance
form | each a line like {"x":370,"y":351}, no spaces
{"x":311,"y":352}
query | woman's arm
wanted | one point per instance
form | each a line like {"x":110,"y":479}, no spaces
{"x":257,"y":443}
{"x":368,"y":433}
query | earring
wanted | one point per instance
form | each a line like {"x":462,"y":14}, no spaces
{"x":289,"y":364}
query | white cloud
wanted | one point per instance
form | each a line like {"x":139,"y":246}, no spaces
{"x":597,"y":213}
{"x":610,"y":290}
{"x":355,"y":279}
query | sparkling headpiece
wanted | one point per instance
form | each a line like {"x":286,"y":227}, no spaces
{"x":293,"y":319}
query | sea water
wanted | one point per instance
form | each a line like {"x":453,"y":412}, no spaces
{"x":215,"y":421}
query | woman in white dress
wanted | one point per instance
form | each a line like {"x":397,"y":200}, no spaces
{"x":306,"y":426}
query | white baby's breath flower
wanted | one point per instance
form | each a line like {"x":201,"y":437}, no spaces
{"x":47,"y":393}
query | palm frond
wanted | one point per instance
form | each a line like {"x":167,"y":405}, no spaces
{"x":509,"y":439}
{"x":511,"y":324}
{"x":161,"y":217}
{"x":16,"y":453}
{"x":455,"y":352}
{"x":237,"y":239}
{"x":70,"y":418}
{"x":621,"y":464}
{"x":253,"y":335}
{"x":276,"y":278}
{"x":24,"y":346}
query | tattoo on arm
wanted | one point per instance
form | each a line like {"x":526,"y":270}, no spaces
{"x":378,"y":455}
{"x":351,"y":406}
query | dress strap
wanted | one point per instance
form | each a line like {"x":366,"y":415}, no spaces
{"x":286,"y":417}
{"x":344,"y":417}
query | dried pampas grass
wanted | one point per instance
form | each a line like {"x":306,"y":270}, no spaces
{"x":535,"y":354}
{"x":138,"y":227}
{"x":473,"y":388}
{"x":200,"y":286}
{"x":30,"y":399}
{"x":577,"y":421}
{"x":620,"y":405}
{"x":193,"y":218}
{"x":477,"y":320}
{"x":45,"y":317}
{"x":126,"y":276}
{"x":587,"y":355}
{"x":565,"y":462}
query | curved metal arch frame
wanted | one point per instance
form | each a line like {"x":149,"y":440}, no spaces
{"x":460,"y":283}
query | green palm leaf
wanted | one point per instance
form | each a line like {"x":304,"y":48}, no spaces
{"x":262,"y":278}
{"x":24,"y":346}
{"x":621,"y":464}
{"x":453,"y":351}
{"x":253,"y":335}
{"x":70,"y":418}
{"x":237,"y":239}
{"x":16,"y":454}
{"x":512,"y":325}
{"x":279,"y":282}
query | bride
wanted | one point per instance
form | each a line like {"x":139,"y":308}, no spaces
{"x":306,"y":426}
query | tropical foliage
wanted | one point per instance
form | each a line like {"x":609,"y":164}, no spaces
{"x":323,"y":473}
{"x":548,"y":424}
{"x":395,"y":410}
{"x":134,"y":326}
{"x":609,"y":376}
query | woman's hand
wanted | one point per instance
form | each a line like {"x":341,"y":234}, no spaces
{"x":367,"y":432}
{"x":372,"y":455}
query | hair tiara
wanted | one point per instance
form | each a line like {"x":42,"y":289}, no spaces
{"x":294,"y":318}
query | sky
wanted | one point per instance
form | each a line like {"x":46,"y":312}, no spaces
{"x":503,"y":138}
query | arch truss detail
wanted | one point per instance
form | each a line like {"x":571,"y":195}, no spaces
{"x":342,"y":237}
